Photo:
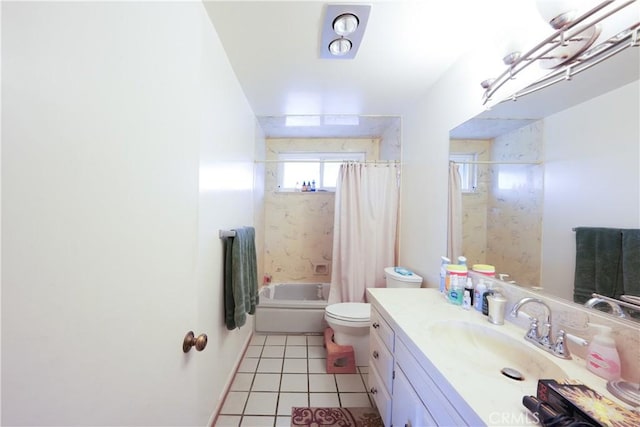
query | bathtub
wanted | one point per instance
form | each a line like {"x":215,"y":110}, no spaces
{"x":292,"y":308}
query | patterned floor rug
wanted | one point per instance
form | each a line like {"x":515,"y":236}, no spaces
{"x":335,"y":417}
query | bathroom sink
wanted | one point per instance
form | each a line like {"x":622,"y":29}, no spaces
{"x":486,"y":351}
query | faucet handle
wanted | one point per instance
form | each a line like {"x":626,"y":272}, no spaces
{"x":560,"y":349}
{"x":533,"y":333}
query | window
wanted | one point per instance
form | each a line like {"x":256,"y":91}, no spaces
{"x":298,"y":167}
{"x":468,"y":171}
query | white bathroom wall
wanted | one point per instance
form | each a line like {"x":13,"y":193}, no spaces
{"x":592,"y":177}
{"x":127,"y":144}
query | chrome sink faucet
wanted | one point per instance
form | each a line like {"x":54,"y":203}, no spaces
{"x":615,"y":308}
{"x":543,"y":340}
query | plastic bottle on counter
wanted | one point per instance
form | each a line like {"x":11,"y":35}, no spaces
{"x":462,"y":260}
{"x":444,"y":261}
{"x":478,"y":293}
{"x":466,"y":300}
{"x":457,"y":273}
{"x":469,"y":288}
{"x":602,"y":355}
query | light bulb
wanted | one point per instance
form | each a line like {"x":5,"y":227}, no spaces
{"x":345,"y":24}
{"x":558,"y":13}
{"x":340,"y":47}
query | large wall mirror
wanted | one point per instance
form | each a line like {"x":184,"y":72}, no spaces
{"x":563,"y":157}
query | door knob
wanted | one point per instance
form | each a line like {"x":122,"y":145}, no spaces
{"x":190,"y":340}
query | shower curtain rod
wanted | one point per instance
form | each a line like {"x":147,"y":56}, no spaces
{"x":382,"y":162}
{"x":496,"y":162}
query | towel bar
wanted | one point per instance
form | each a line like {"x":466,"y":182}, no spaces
{"x":227,"y":233}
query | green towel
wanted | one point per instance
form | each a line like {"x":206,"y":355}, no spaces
{"x":631,"y":262}
{"x":598,"y":263}
{"x":240,"y":277}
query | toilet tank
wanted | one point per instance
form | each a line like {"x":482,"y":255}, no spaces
{"x":398,"y":280}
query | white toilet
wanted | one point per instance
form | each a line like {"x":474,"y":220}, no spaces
{"x":350,"y":320}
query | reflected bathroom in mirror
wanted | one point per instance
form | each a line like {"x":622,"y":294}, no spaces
{"x":562,"y":157}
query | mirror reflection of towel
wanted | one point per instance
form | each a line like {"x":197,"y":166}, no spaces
{"x":607,"y":262}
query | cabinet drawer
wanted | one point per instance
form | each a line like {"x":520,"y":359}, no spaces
{"x":381,"y":359}
{"x":435,"y":401}
{"x":380,"y":395}
{"x":380,"y":327}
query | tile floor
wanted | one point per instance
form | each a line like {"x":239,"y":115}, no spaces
{"x":282,"y":371}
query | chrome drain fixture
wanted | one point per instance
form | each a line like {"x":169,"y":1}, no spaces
{"x":513,"y":374}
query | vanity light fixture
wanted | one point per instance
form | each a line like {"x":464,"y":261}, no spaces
{"x":342,"y":30}
{"x":567,"y":51}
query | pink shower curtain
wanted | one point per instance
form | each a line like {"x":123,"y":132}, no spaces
{"x":365,"y":229}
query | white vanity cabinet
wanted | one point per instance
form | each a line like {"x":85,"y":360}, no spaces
{"x":406,"y":392}
{"x":380,"y":377}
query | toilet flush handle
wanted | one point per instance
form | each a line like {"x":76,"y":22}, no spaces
{"x":375,"y":325}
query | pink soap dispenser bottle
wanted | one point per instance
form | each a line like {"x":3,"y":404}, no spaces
{"x":602,"y":355}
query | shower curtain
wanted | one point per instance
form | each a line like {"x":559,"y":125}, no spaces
{"x":454,"y":226}
{"x":365,"y":229}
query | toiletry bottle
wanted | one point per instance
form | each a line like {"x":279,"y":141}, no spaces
{"x":466,"y":300}
{"x":602,"y":355}
{"x":477,"y":295}
{"x":462,"y":260}
{"x":456,"y":291}
{"x":444,"y":261}
{"x":469,"y":288}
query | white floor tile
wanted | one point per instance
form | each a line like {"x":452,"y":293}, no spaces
{"x":322,"y":383}
{"x":316,"y":351}
{"x":261,"y":403}
{"x":323,"y":400}
{"x":296,"y":340}
{"x":294,"y":382}
{"x":255,"y":421}
{"x":295,"y":366}
{"x":283,"y":421}
{"x":266,"y":382}
{"x":354,"y":400}
{"x":234,"y":403}
{"x":257,"y":340}
{"x":363,"y":369}
{"x":228,"y":421}
{"x":315,"y":340}
{"x":317,"y":366}
{"x":350,"y":383}
{"x":273,"y":351}
{"x":297,"y":351}
{"x":253,"y":351}
{"x":276,"y":340}
{"x":289,"y":400}
{"x":269,"y":365}
{"x":248,"y":365}
{"x":242,"y":382}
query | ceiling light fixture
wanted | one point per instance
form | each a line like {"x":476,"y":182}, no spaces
{"x":340,"y":47}
{"x":342,"y":30}
{"x":345,"y":24}
{"x":567,"y":51}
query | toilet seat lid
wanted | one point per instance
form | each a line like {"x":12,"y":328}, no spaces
{"x":358,"y":311}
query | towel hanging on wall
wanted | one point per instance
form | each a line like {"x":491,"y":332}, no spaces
{"x":240,"y":277}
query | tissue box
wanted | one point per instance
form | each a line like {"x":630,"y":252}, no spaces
{"x":584,"y":404}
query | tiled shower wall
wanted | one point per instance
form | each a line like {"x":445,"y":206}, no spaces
{"x":502,"y":220}
{"x":514,"y":218}
{"x":299,"y":226}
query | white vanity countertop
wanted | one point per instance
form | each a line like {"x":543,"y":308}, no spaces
{"x":496,"y":399}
